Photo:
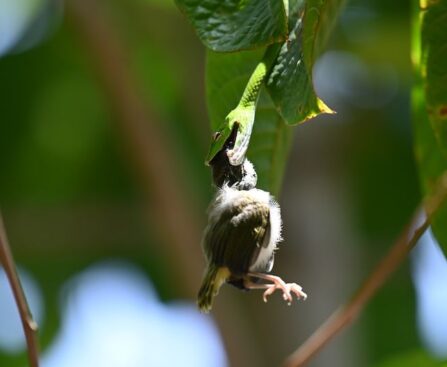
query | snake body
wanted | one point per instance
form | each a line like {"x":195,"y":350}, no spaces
{"x":244,"y":114}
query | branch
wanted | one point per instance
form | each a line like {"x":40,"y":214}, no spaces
{"x":29,"y":325}
{"x":346,"y":314}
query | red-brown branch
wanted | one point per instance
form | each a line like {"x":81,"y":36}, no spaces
{"x":346,"y":314}
{"x":29,"y":325}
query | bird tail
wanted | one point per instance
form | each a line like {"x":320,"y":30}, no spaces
{"x":211,"y":283}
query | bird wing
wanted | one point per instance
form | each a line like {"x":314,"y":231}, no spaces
{"x":236,"y":236}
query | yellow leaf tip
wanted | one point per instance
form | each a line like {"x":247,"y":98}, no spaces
{"x":324,"y":108}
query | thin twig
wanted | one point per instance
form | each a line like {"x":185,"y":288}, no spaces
{"x":29,"y":325}
{"x":346,"y":314}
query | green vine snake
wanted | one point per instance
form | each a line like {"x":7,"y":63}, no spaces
{"x":244,"y":113}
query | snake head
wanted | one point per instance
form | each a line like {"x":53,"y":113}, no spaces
{"x":233,"y":136}
{"x":221,"y":140}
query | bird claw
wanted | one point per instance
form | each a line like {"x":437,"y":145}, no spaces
{"x":287,"y":290}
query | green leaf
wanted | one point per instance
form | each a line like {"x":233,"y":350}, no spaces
{"x":226,"y":78}
{"x":232,"y":25}
{"x":428,"y":98}
{"x":434,"y":67}
{"x":290,"y":83}
{"x":319,"y":20}
{"x":431,"y":162}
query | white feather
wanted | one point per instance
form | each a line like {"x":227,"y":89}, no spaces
{"x":266,"y":254}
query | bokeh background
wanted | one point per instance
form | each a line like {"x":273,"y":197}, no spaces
{"x":103,"y":132}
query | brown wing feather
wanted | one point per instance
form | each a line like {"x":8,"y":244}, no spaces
{"x":235,"y":238}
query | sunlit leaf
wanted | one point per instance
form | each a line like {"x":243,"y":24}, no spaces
{"x":290,"y":82}
{"x":231,"y":25}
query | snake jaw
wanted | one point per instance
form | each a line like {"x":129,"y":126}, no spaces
{"x":245,"y":118}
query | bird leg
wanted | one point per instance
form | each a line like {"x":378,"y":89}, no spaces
{"x":277,"y":283}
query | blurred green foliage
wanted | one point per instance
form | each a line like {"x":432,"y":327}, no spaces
{"x":66,"y":187}
{"x":414,"y":358}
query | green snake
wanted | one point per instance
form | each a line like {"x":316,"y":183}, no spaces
{"x":244,"y":113}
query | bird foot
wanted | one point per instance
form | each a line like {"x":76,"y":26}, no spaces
{"x":287,"y":290}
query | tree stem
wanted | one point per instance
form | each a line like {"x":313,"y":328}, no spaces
{"x":346,"y":314}
{"x":29,"y":325}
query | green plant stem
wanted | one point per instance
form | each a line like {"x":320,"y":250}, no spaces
{"x":29,"y":325}
{"x":346,"y":314}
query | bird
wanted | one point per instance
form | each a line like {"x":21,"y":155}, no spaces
{"x":241,"y":237}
